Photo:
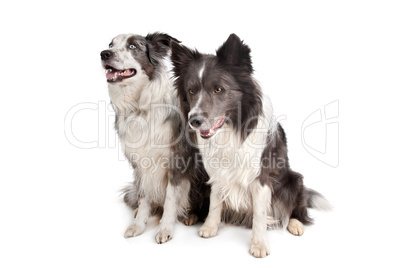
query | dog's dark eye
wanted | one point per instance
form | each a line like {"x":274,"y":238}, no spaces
{"x":191,"y":91}
{"x":218,"y":90}
{"x":132,"y":47}
{"x":110,"y":45}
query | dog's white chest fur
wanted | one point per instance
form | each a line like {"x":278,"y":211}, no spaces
{"x":141,"y":143}
{"x":234,"y":165}
{"x":144,"y":135}
{"x":144,"y":131}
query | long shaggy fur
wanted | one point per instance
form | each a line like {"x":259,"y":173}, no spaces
{"x":148,"y":124}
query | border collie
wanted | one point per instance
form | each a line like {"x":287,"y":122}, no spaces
{"x":243,"y":149}
{"x":149,"y":126}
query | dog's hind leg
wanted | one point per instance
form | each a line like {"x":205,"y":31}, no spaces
{"x":138,"y":227}
{"x":176,"y":204}
{"x":295,"y":227}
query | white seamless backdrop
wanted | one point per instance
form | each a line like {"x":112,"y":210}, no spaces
{"x":332,"y":71}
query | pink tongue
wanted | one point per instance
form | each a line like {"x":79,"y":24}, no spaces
{"x":205,"y":132}
{"x":117,"y":73}
{"x":127,"y":73}
{"x":112,"y":75}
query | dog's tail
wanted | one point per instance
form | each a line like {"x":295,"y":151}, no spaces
{"x":130,"y":196}
{"x":317,"y":200}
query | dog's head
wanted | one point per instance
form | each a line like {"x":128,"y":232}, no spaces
{"x":132,"y":58}
{"x":217,"y":90}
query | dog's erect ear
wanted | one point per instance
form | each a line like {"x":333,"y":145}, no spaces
{"x":182,"y":56}
{"x":158,"y":45}
{"x":235,"y":52}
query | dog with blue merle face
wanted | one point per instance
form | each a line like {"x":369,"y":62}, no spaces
{"x":150,"y":127}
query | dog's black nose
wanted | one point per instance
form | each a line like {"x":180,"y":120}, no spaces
{"x":106,"y":54}
{"x":195,"y":121}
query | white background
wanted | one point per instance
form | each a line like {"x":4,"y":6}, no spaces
{"x":60,"y":205}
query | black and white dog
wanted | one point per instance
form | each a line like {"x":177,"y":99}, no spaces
{"x":149,"y":126}
{"x":243,"y":149}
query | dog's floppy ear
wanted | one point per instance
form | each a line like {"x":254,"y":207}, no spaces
{"x":182,"y":56}
{"x":158,"y":45}
{"x":234,"y":52}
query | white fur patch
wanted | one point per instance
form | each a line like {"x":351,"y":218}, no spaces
{"x":320,"y":203}
{"x":145,"y":135}
{"x":196,"y":109}
{"x":233,"y":165}
{"x":261,"y":198}
{"x":201,"y":71}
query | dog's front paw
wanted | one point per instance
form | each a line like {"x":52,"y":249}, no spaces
{"x":259,"y":250}
{"x":134,"y":230}
{"x":208,"y":231}
{"x":295,"y":227}
{"x":163,"y":236}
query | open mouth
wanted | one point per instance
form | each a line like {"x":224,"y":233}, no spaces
{"x":113,"y":75}
{"x":210,"y":132}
